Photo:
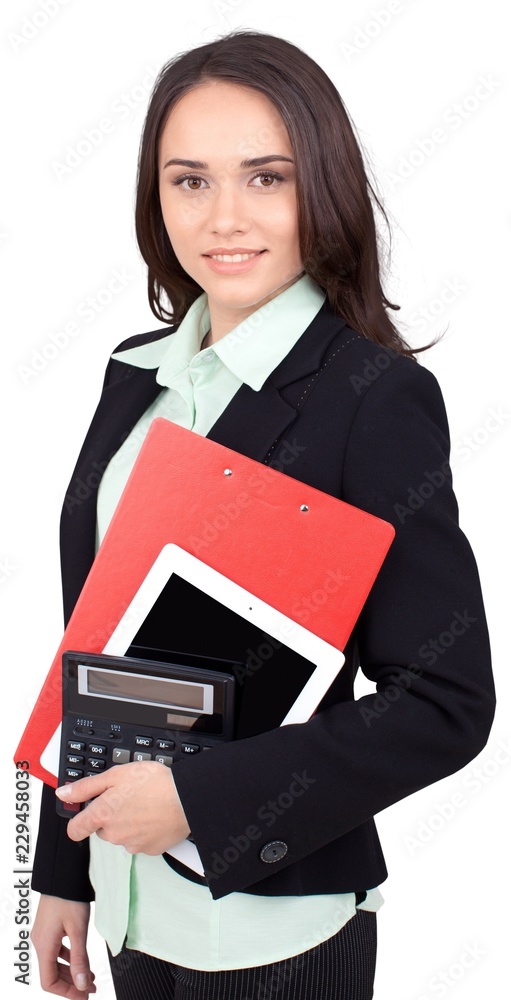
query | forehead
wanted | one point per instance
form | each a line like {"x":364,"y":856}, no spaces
{"x":217,"y":120}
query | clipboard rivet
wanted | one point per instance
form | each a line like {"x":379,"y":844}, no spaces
{"x":227,"y":472}
{"x":304,"y":507}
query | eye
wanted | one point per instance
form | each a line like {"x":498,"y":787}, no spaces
{"x":188,"y":177}
{"x":270,"y":175}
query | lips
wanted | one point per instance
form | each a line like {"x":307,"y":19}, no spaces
{"x":234,"y":256}
{"x":229,"y":251}
{"x":233,"y":262}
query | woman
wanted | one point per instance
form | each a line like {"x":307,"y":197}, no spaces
{"x":254,"y":217}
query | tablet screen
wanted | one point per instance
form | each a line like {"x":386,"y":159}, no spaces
{"x":185,"y":620}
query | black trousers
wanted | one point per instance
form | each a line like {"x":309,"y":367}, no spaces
{"x":340,"y":968}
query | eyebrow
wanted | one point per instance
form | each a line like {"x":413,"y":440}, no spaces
{"x":259,"y":161}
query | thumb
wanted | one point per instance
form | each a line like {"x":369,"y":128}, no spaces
{"x":84,"y":788}
{"x":79,"y":964}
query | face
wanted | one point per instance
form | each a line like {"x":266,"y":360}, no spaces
{"x":219,"y":203}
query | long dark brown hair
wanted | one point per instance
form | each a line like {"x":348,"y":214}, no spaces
{"x":338,"y":240}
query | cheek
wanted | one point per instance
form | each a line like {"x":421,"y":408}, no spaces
{"x":179,"y":216}
{"x":283,"y":219}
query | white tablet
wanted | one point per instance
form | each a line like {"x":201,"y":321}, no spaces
{"x":316,"y":662}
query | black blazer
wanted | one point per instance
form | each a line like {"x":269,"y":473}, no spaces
{"x":369,"y":426}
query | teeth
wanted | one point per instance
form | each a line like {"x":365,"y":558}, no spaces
{"x":233,"y":258}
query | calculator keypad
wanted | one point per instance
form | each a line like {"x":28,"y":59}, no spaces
{"x":95,"y":757}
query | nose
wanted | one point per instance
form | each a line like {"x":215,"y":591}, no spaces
{"x":228,"y":209}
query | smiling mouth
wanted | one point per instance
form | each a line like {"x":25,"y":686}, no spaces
{"x":234,"y":258}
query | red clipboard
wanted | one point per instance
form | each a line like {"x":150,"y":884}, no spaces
{"x":239,"y":517}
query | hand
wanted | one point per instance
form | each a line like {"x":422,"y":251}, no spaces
{"x":57,"y":918}
{"x":136,"y":805}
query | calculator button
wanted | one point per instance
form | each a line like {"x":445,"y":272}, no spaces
{"x":71,"y":806}
{"x":190,"y":747}
{"x":120,"y":756}
{"x":144,"y":741}
{"x":97,"y":750}
{"x":73,"y":772}
{"x":74,"y":758}
{"x":75,"y":745}
{"x":95,"y":764}
{"x":140,"y":755}
{"x":165,"y":744}
{"x":164,"y":760}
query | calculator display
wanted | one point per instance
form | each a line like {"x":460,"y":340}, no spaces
{"x":140,"y":688}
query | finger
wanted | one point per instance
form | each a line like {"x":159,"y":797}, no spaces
{"x":79,"y":964}
{"x":65,"y":954}
{"x":89,"y":820}
{"x":84,"y":788}
{"x":49,"y":967}
{"x":64,"y":974}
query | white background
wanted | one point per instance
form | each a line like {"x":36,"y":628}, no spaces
{"x":60,"y":241}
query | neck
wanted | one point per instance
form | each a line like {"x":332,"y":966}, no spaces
{"x":225,"y":322}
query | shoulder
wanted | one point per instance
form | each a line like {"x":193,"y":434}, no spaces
{"x":367,"y":365}
{"x":368,"y":383}
{"x":140,"y":339}
{"x":399,"y":439}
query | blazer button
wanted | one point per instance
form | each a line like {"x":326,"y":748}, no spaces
{"x":274,"y":851}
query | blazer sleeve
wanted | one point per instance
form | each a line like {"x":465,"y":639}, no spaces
{"x":61,"y":865}
{"x":422,"y":639}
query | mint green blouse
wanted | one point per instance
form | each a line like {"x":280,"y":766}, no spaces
{"x":162,"y":913}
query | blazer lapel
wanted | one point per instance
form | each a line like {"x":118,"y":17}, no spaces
{"x":122,"y":403}
{"x":253,"y":421}
{"x":250,"y":424}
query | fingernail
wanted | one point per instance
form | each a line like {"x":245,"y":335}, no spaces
{"x":82,"y":981}
{"x":63,"y":792}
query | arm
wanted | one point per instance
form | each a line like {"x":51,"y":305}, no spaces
{"x":422,"y":639}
